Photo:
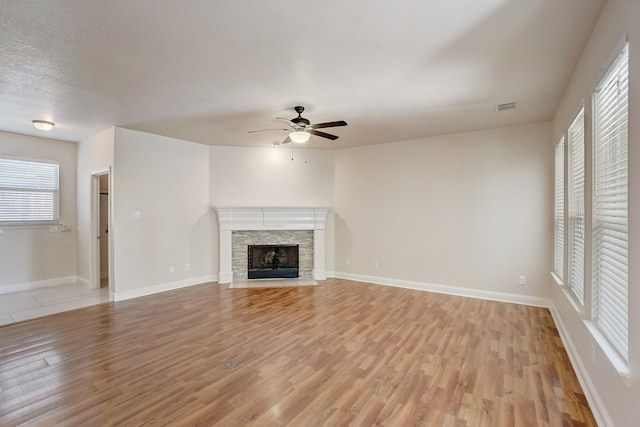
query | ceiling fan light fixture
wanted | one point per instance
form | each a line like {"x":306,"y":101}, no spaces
{"x":299,"y":137}
{"x":43,"y":124}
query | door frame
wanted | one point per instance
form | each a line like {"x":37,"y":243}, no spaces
{"x":94,"y":233}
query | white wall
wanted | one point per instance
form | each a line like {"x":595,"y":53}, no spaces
{"x":167,"y":181}
{"x":29,"y":255}
{"x":615,"y":402}
{"x":94,"y":154}
{"x":249,"y":176}
{"x":468,"y":210}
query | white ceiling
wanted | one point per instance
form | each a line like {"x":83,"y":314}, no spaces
{"x":209,"y":71}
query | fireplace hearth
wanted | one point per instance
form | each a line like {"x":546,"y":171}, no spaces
{"x":272,"y":261}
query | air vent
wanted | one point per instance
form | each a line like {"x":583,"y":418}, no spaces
{"x":506,"y":106}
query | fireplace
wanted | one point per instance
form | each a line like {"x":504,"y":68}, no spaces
{"x":272,"y":261}
{"x":277,"y":223}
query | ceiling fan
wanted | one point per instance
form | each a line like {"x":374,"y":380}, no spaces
{"x":301,"y":129}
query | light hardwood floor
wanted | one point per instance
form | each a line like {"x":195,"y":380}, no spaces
{"x":342,"y":353}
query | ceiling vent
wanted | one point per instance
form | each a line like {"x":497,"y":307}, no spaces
{"x":506,"y":106}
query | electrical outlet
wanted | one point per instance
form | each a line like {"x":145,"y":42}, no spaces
{"x":187,"y":267}
{"x":171,"y":269}
{"x":347,"y":261}
{"x":522,"y":280}
{"x":53,"y":229}
{"x":135,"y":214}
{"x":375,"y":264}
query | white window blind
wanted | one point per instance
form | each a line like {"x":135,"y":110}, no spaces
{"x":610,"y":239}
{"x":28,"y":191}
{"x":559,"y":210}
{"x":575,"y":140}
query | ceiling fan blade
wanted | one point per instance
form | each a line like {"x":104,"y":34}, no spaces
{"x":285,"y":119}
{"x":322,"y":134}
{"x":286,"y":141}
{"x":329,"y":124}
{"x":264,"y":130}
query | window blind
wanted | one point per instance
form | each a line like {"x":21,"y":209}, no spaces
{"x":559,"y":210}
{"x":610,"y":302}
{"x":28,"y":191}
{"x":575,"y":140}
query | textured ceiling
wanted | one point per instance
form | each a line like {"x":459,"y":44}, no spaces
{"x":210,"y":71}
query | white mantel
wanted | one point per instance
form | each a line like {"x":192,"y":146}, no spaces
{"x":271,"y":218}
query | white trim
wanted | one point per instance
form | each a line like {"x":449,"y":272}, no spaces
{"x":82,"y":281}
{"x":449,"y":290}
{"x":557,"y":278}
{"x":598,"y":408}
{"x":271,"y":218}
{"x":163,"y":287}
{"x":620,"y":365}
{"x":572,"y":299}
{"x":37,"y":284}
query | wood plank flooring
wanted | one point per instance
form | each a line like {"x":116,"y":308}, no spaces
{"x":342,"y":353}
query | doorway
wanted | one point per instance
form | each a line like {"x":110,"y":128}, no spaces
{"x":101,"y":208}
{"x":104,"y":230}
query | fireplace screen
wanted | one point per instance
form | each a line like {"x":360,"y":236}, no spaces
{"x":272,"y":261}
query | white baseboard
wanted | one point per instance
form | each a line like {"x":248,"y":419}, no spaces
{"x":37,"y":284}
{"x":450,"y":290}
{"x":163,"y":287}
{"x":595,"y":402}
{"x":82,"y":281}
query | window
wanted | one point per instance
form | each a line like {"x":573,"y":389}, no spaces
{"x":28,"y":191}
{"x":559,"y":211}
{"x":575,"y":140}
{"x":610,"y":219}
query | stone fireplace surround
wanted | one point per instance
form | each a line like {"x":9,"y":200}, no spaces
{"x":274,"y":219}
{"x":240,"y":240}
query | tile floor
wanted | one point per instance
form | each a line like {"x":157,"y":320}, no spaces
{"x":19,"y":306}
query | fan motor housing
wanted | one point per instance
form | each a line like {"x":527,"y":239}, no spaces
{"x":301,"y":121}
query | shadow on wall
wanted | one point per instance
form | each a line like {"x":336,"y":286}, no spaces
{"x":215,"y":243}
{"x":344,"y":241}
{"x":205,"y":225}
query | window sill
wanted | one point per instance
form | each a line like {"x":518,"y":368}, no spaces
{"x":31,"y":226}
{"x":556,"y":278}
{"x":572,"y":299}
{"x":616,"y":360}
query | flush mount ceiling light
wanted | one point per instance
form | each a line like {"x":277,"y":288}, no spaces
{"x":43,"y":124}
{"x":299,"y":136}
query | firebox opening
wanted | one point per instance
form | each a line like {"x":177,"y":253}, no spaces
{"x":272,"y":261}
